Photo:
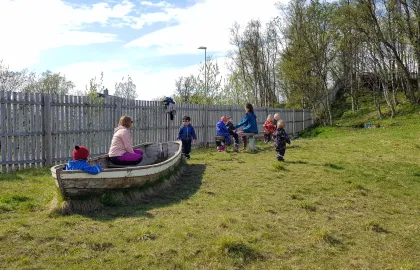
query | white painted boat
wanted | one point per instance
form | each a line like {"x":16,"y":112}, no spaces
{"x":160,"y":160}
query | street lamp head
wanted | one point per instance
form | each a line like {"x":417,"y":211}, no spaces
{"x":202,"y":48}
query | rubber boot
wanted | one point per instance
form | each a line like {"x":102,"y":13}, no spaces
{"x":220,"y":148}
{"x":235,"y":147}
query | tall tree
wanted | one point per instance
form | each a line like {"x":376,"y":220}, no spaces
{"x":50,"y":83}
{"x":126,"y":89}
{"x":205,"y":88}
{"x":254,"y":59}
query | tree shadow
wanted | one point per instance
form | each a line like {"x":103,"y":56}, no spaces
{"x":187,"y":185}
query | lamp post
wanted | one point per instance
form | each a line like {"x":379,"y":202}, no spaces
{"x":205,"y":68}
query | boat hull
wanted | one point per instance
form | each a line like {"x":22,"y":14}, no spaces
{"x":166,"y":158}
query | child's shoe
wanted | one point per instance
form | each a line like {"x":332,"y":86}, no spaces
{"x":187,"y":156}
{"x":220,"y":148}
{"x":235,"y":147}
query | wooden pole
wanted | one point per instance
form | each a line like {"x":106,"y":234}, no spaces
{"x":47,"y":140}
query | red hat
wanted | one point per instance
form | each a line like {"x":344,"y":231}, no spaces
{"x":80,"y":152}
{"x":223,"y":119}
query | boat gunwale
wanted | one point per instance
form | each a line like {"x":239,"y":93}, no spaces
{"x":58,"y":169}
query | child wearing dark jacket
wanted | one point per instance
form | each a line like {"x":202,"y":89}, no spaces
{"x":186,"y":134}
{"x":280,"y":139}
{"x":79,"y":162}
{"x":231,"y":129}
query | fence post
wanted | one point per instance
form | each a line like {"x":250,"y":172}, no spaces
{"x":303,"y":119}
{"x":3,"y":130}
{"x":206,"y":118}
{"x":293,"y":121}
{"x":312,"y":117}
{"x":47,"y":144}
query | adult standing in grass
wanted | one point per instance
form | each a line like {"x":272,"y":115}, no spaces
{"x":249,"y":122}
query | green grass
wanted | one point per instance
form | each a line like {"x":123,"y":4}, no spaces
{"x":346,"y":198}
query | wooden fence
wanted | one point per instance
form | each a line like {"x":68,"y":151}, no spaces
{"x":41,"y":130}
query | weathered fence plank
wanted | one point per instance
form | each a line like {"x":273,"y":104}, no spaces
{"x":47,"y":138}
{"x":3,"y":117}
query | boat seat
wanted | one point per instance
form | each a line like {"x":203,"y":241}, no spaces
{"x":112,"y":165}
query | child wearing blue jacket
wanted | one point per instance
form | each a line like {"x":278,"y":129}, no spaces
{"x":222,"y":130}
{"x":249,"y":122}
{"x":79,"y":162}
{"x":186,"y":134}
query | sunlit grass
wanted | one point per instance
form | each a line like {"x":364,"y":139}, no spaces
{"x":345,"y":198}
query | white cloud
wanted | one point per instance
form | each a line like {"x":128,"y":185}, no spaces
{"x":206,"y":23}
{"x":151,"y":18}
{"x":150,"y":84}
{"x":29,"y":27}
{"x":159,"y":4}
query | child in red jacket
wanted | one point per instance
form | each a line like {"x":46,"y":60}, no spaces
{"x":269,"y":127}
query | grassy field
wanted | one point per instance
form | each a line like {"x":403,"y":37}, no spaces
{"x":345,"y":198}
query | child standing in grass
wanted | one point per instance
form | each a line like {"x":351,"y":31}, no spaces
{"x":187,"y":135}
{"x":79,"y":162}
{"x":280,"y":139}
{"x":268,"y":127}
{"x":221,"y":130}
{"x":231,"y":129}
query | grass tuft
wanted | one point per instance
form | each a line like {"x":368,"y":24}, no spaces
{"x":279,"y":166}
{"x":326,"y":236}
{"x":309,"y":206}
{"x":238,"y":250}
{"x":375,"y":227}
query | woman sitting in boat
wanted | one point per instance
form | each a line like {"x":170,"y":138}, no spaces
{"x":121,"y":151}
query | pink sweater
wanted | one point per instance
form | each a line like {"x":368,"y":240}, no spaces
{"x":122,"y":142}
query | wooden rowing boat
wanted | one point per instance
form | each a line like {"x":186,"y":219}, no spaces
{"x":160,"y":160}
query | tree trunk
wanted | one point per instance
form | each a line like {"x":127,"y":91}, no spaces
{"x":387,"y":99}
{"x":377,"y":101}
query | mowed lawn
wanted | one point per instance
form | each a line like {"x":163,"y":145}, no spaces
{"x":345,"y":199}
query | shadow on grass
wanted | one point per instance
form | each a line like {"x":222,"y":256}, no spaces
{"x":188,"y":184}
{"x":333,"y":166}
{"x":296,"y":162}
{"x":10,"y":177}
{"x":25,"y":174}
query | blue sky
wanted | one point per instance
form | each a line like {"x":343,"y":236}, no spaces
{"x":154,"y":42}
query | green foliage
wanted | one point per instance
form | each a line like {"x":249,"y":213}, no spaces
{"x":205,"y":88}
{"x":126,"y":89}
